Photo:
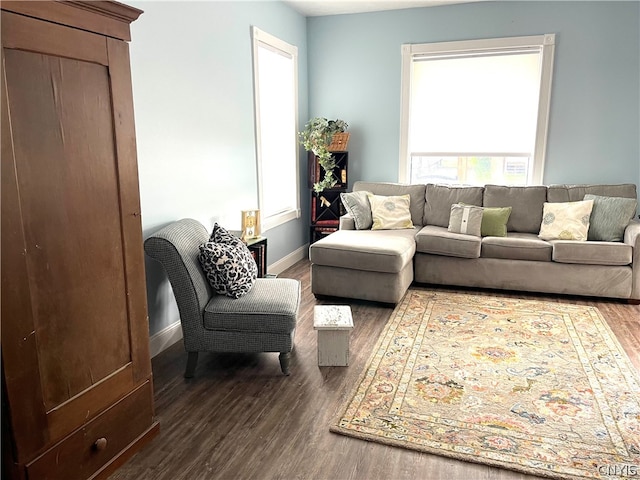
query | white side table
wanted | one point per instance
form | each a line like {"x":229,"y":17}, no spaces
{"x":334,"y":324}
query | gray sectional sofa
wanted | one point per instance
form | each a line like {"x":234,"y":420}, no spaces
{"x":380,"y":265}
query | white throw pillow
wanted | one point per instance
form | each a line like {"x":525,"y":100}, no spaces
{"x":465,"y":219}
{"x":390,"y":213}
{"x":566,"y":220}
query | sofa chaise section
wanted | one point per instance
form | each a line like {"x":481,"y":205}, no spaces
{"x":369,"y":265}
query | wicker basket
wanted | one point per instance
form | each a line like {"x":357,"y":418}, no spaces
{"x":339,"y":142}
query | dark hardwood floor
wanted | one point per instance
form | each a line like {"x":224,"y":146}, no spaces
{"x":240,"y":418}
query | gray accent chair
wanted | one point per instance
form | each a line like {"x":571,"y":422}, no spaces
{"x":263,"y":320}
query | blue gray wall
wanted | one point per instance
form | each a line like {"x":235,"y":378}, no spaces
{"x":193,"y":99}
{"x":594,"y":128}
{"x":192,"y":78}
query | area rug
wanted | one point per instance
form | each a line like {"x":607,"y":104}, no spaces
{"x":538,"y":387}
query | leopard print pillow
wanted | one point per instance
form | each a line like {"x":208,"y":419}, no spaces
{"x":228,"y":264}
{"x":221,"y":235}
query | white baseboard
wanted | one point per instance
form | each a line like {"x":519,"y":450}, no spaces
{"x":166,"y":337}
{"x":290,"y":260}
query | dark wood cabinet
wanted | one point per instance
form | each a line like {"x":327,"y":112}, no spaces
{"x":326,"y":206}
{"x":76,"y":374}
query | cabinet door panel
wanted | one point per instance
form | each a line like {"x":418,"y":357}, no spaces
{"x":66,"y":174}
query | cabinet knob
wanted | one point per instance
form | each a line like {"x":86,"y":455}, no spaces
{"x":100,"y":444}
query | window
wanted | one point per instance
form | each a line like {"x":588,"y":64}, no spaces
{"x":275,"y":72}
{"x":476,"y":112}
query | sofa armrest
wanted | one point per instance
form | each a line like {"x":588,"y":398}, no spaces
{"x":632,"y":237}
{"x":632,"y":233}
{"x":347,"y":222}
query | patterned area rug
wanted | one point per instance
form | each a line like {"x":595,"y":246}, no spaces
{"x":538,"y":387}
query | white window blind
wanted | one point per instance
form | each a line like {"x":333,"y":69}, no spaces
{"x":492,"y":110}
{"x":471,"y":109}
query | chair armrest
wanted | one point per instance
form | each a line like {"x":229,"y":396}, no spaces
{"x":347,"y":222}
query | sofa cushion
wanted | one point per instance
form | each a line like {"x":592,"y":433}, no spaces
{"x":416,"y":192}
{"x":610,"y":216}
{"x":566,"y":220}
{"x":390,"y":212}
{"x":525,"y":202}
{"x":439,"y":241}
{"x":592,"y":253}
{"x":439,"y":198}
{"x":517,"y":246}
{"x":373,"y":250}
{"x":357,"y":205}
{"x":465,"y":219}
{"x":574,"y":193}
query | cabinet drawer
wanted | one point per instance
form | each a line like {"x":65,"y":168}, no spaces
{"x":85,"y":451}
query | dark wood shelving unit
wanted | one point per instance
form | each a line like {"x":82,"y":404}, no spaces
{"x":326,"y":207}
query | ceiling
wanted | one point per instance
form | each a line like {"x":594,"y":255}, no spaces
{"x":315,"y":8}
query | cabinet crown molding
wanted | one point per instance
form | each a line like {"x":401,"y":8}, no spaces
{"x":103,"y":17}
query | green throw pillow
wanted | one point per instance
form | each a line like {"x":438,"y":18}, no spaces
{"x":610,"y":216}
{"x":494,"y":221}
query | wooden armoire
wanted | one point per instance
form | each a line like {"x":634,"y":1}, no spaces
{"x":77,"y":396}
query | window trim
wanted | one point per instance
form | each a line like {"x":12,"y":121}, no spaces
{"x":545,"y":44}
{"x":274,"y":43}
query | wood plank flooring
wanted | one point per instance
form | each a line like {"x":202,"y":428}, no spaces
{"x":240,"y":418}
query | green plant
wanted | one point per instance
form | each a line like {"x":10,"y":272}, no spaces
{"x":316,"y":138}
